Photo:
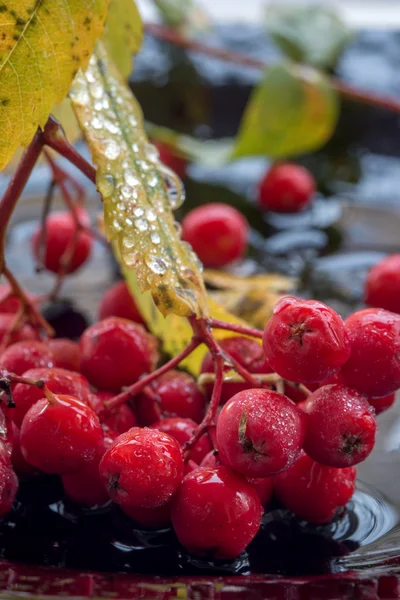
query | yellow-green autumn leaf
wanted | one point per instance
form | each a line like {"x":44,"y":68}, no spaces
{"x":293,"y":110}
{"x":123,"y":34}
{"x":64,"y":113}
{"x":137,"y":202}
{"x":42,"y":45}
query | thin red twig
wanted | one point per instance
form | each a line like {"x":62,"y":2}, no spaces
{"x":241,"y":329}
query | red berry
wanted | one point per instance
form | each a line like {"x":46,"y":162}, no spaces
{"x":118,"y":302}
{"x":217,"y":511}
{"x":259,"y":432}
{"x":382,"y":404}
{"x":116,"y":352}
{"x":8,"y":304}
{"x":374,"y":364}
{"x":60,"y":233}
{"x":176,"y":163}
{"x":286,"y":188}
{"x":119,"y":419}
{"x":341,"y":426}
{"x":58,"y":381}
{"x":382,"y":286}
{"x":85,"y":487}
{"x":8,"y":493}
{"x":30,"y":354}
{"x":150,"y":517}
{"x":217,"y":232}
{"x":60,"y":435}
{"x":305,"y":340}
{"x":26,"y":332}
{"x":182,"y":430}
{"x":314,"y":492}
{"x":20,"y":465}
{"x":143,"y":468}
{"x":66,"y":353}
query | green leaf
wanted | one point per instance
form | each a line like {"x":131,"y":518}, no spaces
{"x":185,"y":15}
{"x":293,"y":110}
{"x":137,"y":203}
{"x":42,"y":45}
{"x":315,"y":34}
{"x":123,"y":35}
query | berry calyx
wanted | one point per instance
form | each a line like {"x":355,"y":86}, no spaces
{"x":286,"y":188}
{"x":305,"y":340}
{"x":30,"y":354}
{"x":182,"y":430}
{"x":216,"y":511}
{"x":374,"y":365}
{"x":70,"y":429}
{"x":259,"y":432}
{"x":116,"y":352}
{"x":315,"y":492}
{"x":382,"y":286}
{"x":60,"y":233}
{"x":118,"y":302}
{"x":66,"y":353}
{"x":142,"y":469}
{"x":217,"y":232}
{"x":341,"y":426}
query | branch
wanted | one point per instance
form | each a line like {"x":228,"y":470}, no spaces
{"x":241,"y":329}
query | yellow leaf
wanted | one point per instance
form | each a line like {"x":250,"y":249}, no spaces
{"x":271,"y":282}
{"x":65,"y":115}
{"x":137,"y":202}
{"x":123,"y":35}
{"x":42,"y":45}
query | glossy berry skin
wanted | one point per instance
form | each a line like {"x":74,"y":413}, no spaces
{"x":70,"y":429}
{"x":341,"y":426}
{"x":374,"y":364}
{"x":85,"y":487}
{"x":150,"y":518}
{"x":176,"y":163}
{"x":60,"y":232}
{"x":26,"y":332}
{"x":286,"y":188}
{"x":218,"y":233}
{"x":20,"y":465}
{"x":142,"y":469}
{"x":382,"y":286}
{"x":216,"y":511}
{"x":59,"y":381}
{"x":116,"y":352}
{"x":66,"y":353}
{"x":182,"y":430}
{"x":305,"y":340}
{"x":315,"y":492}
{"x":119,"y":419}
{"x":29,"y":354}
{"x":118,"y":302}
{"x":8,"y":304}
{"x":259,"y":433}
{"x":382,"y":404}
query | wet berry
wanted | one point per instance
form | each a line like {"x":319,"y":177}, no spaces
{"x":217,"y":512}
{"x":381,"y":404}
{"x":341,"y":426}
{"x":315,"y":492}
{"x":58,"y":381}
{"x":382,"y":286}
{"x":60,"y":435}
{"x":217,"y":232}
{"x":66,"y":353}
{"x":119,"y":419}
{"x":286,"y":188}
{"x":182,"y":430}
{"x":26,"y":332}
{"x":60,"y":233}
{"x":259,"y":432}
{"x":116,"y":352}
{"x":30,"y":354}
{"x":374,"y":364}
{"x":150,"y":518}
{"x":20,"y":465}
{"x":118,"y":302}
{"x":143,"y":468}
{"x":305,"y":340}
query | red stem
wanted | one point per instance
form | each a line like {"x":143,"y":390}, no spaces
{"x":173,"y":37}
{"x":241,"y":329}
{"x":8,"y":377}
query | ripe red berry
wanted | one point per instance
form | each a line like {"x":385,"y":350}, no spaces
{"x":305,"y":340}
{"x":286,"y":188}
{"x":143,"y":468}
{"x":382,"y":404}
{"x":60,"y":435}
{"x":217,"y":232}
{"x":216,"y":511}
{"x":30,"y":354}
{"x":341,"y":426}
{"x":20,"y":465}
{"x":182,"y":430}
{"x":58,"y":381}
{"x":118,"y":302}
{"x":382,"y":286}
{"x":85,"y":487}
{"x":66,"y":353}
{"x":116,"y":352}
{"x":26,"y":332}
{"x":150,"y":518}
{"x":374,"y":364}
{"x":8,"y":304}
{"x":259,"y":432}
{"x":176,"y":163}
{"x":119,"y":419}
{"x":60,"y":233}
{"x":315,"y":492}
